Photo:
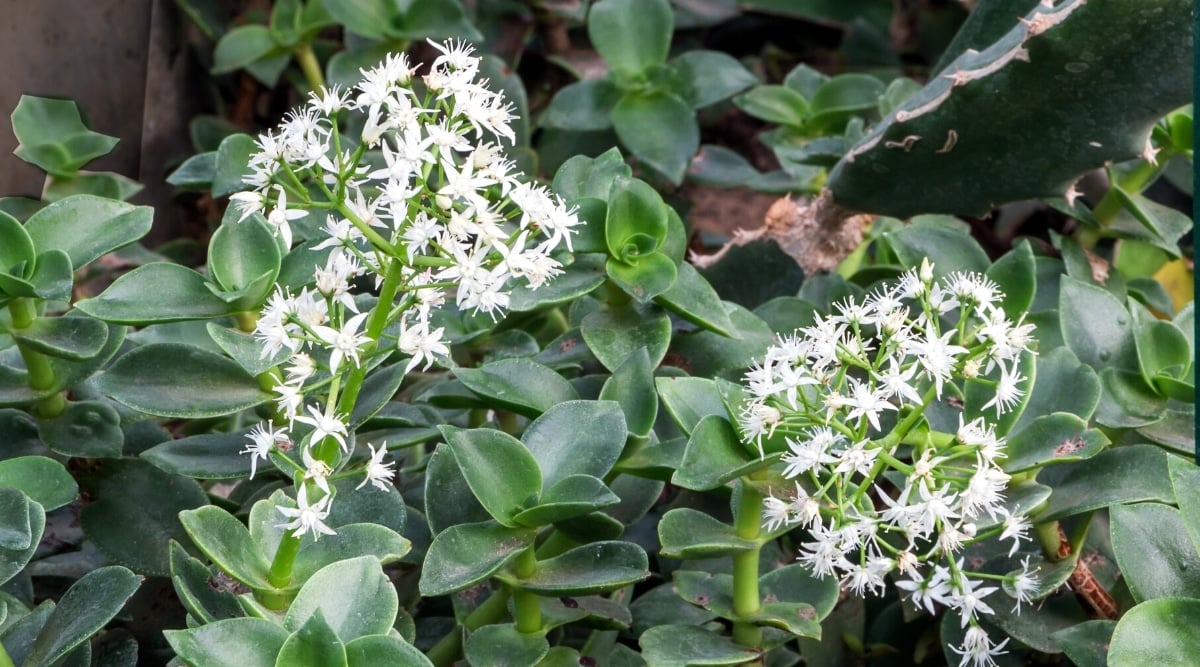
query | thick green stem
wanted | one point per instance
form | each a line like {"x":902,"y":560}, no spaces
{"x":527,"y":606}
{"x":280,"y":574}
{"x":746,"y":600}
{"x":310,"y":66}
{"x":376,"y":322}
{"x":41,"y":374}
{"x":1048,"y":537}
{"x":449,"y":648}
{"x":1135,"y":181}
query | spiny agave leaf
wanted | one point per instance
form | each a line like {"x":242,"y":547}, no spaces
{"x":1066,"y":90}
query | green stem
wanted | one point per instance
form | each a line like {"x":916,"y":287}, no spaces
{"x":527,"y":606}
{"x":5,"y":659}
{"x":310,"y":66}
{"x":41,"y":374}
{"x":449,"y":648}
{"x":1047,"y":536}
{"x":746,"y":601}
{"x":376,"y":322}
{"x":247,"y":320}
{"x":280,"y":574}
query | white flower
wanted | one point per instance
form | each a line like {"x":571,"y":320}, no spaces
{"x":307,"y":518}
{"x":985,"y":490}
{"x":1008,"y":393}
{"x":1016,"y":528}
{"x":424,"y":345}
{"x":281,"y":216}
{"x":969,"y":599}
{"x":316,"y":470}
{"x":927,"y":591}
{"x":344,"y":343}
{"x":378,"y":473}
{"x":325,"y":425}
{"x":865,"y":401}
{"x":775,"y":513}
{"x":263,"y":439}
{"x":937,"y":356}
{"x":1024,"y":584}
{"x":977,"y":649}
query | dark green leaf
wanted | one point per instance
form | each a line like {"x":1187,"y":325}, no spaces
{"x":240,"y":252}
{"x":52,"y":136}
{"x":384,"y":650}
{"x":949,"y":250}
{"x":87,"y":606}
{"x":196,"y":172}
{"x":234,"y":642}
{"x":1016,"y":274}
{"x":701,"y":77}
{"x":90,"y":429}
{"x":353,"y":596}
{"x":135,"y":514}
{"x":233,"y":156}
{"x":1161,"y":346}
{"x":86,"y":227}
{"x":693,"y":299}
{"x":434,"y":19}
{"x":573,"y":496}
{"x":242,"y":46}
{"x":16,"y":247}
{"x":614,"y":334}
{"x":688,"y":534}
{"x":501,"y":472}
{"x":583,"y":105}
{"x":576,"y":438}
{"x":521,"y":385}
{"x":598,"y":567}
{"x":466,"y":554}
{"x":690,"y":399}
{"x":448,"y":497}
{"x":1063,"y":385}
{"x":352,"y":541}
{"x":689,"y":646}
{"x":580,"y":277}
{"x":1086,"y":644}
{"x":1158,"y":632}
{"x":1156,"y":556}
{"x":156,"y":293}
{"x":193,"y":584}
{"x":244,"y":349}
{"x":227,"y":544}
{"x":1095,"y":325}
{"x":645,"y":276}
{"x":147,"y":379}
{"x":634,"y":208}
{"x":775,"y":104}
{"x":66,"y":337}
{"x":632,"y":387}
{"x":22,"y":526}
{"x":44,"y":480}
{"x":631,"y":35}
{"x":314,"y":644}
{"x":841,"y":97}
{"x":720,"y":167}
{"x":1054,"y":438}
{"x":659,"y":129}
{"x":715,"y":456}
{"x":1119,"y":475}
{"x":204,"y":456}
{"x":1126,"y":401}
{"x":502,"y":644}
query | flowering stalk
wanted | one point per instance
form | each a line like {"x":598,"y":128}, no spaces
{"x":880,"y":500}
{"x":424,"y":202}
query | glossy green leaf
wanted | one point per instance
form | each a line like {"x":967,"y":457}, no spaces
{"x":90,"y":603}
{"x":583,"y":176}
{"x":521,"y":385}
{"x":51,"y":135}
{"x":593,"y":568}
{"x":502,"y":644}
{"x":632,"y":387}
{"x":73,"y":338}
{"x":227,"y":544}
{"x":1185,"y":480}
{"x":384,"y":650}
{"x":155,"y":293}
{"x":701,"y":77}
{"x":709,"y":354}
{"x":693,"y":299}
{"x":1095,"y":325}
{"x":240,"y":252}
{"x":501,"y":472}
{"x":948,"y":249}
{"x":1016,"y":274}
{"x":583,"y":105}
{"x":1063,"y":385}
{"x":576,"y":438}
{"x":147,"y":379}
{"x":53,"y":278}
{"x":715,"y":456}
{"x":90,"y":429}
{"x":45,"y":481}
{"x":631,"y":35}
{"x":775,"y":104}
{"x":244,"y":349}
{"x":313,"y":644}
{"x":1086,"y":644}
{"x":1128,"y":474}
{"x":16,"y":248}
{"x":1156,"y":556}
{"x":1158,"y":632}
{"x":841,"y":97}
{"x":448,"y":497}
{"x":571,"y":497}
{"x":353,"y":596}
{"x":135,"y":514}
{"x":643,"y":277}
{"x":688,"y":534}
{"x":691,"y":646}
{"x":720,"y":167}
{"x":469,"y":553}
{"x":203,"y":456}
{"x":1163,"y":225}
{"x":797,"y":584}
{"x":1054,"y":438}
{"x":242,"y":46}
{"x":21,"y":530}
{"x":86,"y":227}
{"x":192,"y":580}
{"x":351,"y":541}
{"x":659,"y":129}
{"x":434,"y":19}
{"x":1126,"y":401}
{"x":233,"y":156}
{"x":613,"y":334}
{"x":1161,"y":346}
{"x":196,"y":172}
{"x":580,"y":277}
{"x":14,"y":384}
{"x":234,"y":642}
{"x":634,"y":209}
{"x":690,"y":399}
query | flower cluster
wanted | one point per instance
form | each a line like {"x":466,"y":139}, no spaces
{"x":879,"y":490}
{"x":424,"y":202}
